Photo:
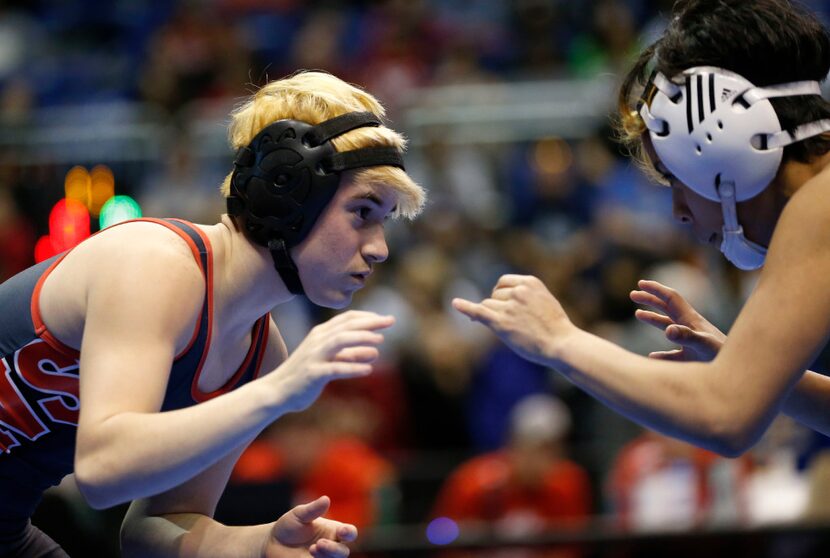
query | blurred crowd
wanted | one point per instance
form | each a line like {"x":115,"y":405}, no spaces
{"x":451,"y":425}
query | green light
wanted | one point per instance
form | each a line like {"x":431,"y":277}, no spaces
{"x":118,"y":209}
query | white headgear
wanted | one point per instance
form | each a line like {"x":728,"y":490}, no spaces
{"x":720,"y":136}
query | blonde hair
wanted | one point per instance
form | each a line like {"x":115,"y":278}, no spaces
{"x":314,"y":97}
{"x":629,"y":125}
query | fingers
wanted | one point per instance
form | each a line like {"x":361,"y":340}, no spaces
{"x":358,"y":354}
{"x":346,"y":370}
{"x":680,"y":334}
{"x":306,"y":513}
{"x":647,"y":299}
{"x":688,"y":337}
{"x":674,"y":355}
{"x":346,"y":339}
{"x":346,"y":532}
{"x":503,"y":293}
{"x":359,"y":319}
{"x":325,"y":548}
{"x":511,"y":280}
{"x":703,"y":343}
{"x":674,"y":303}
{"x":653,"y":318}
{"x":333,"y":535}
{"x":657,"y":289}
{"x":476,"y":312}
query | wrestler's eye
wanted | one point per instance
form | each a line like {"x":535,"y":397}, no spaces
{"x":363,"y":212}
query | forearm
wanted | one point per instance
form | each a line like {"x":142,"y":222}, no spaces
{"x":809,"y":402}
{"x":687,"y":400}
{"x":134,"y":455}
{"x":189,"y":536}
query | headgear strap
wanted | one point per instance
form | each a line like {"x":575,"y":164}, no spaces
{"x":286,"y":176}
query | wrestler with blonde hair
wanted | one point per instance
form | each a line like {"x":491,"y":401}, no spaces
{"x":145,"y":359}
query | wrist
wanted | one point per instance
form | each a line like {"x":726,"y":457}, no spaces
{"x":557,"y":346}
{"x":269,"y":395}
{"x":265,"y":535}
{"x":245,"y":541}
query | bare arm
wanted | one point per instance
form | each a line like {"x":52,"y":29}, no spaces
{"x":724,"y":405}
{"x":126,"y":449}
{"x":808,"y":402}
{"x":180,"y":523}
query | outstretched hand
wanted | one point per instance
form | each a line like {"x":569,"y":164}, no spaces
{"x":699,"y":340}
{"x":303,"y":532}
{"x":343,"y":347}
{"x":524,"y":314}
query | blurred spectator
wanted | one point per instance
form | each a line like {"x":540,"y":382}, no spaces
{"x":181,"y":186}
{"x":818,"y":474}
{"x":610,"y":41}
{"x":194,"y":55}
{"x":540,"y":37}
{"x":501,"y":381}
{"x":400,"y":44}
{"x":777,"y":491}
{"x":311,"y":455}
{"x":659,"y":483}
{"x":527,"y":487}
{"x":17,"y":236}
{"x":560,"y":204}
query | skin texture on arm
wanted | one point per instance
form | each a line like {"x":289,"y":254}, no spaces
{"x":179,"y":522}
{"x":809,"y":402}
{"x":141,"y":309}
{"x":724,"y":405}
{"x":699,"y":340}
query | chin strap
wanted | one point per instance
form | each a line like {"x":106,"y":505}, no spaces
{"x":738,"y":249}
{"x":285,"y":266}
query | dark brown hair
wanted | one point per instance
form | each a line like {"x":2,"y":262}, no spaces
{"x":766,"y":41}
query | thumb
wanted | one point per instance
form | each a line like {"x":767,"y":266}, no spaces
{"x":688,"y":337}
{"x":682,"y":335}
{"x":306,"y":513}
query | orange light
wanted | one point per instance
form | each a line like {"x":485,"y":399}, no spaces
{"x":102,"y":188}
{"x":77,"y":184}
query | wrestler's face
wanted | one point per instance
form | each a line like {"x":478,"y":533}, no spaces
{"x":705,"y":217}
{"x":758,"y":216}
{"x":346,"y":242}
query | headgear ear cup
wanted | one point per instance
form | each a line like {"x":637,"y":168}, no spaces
{"x":287,"y":175}
{"x":711,"y":127}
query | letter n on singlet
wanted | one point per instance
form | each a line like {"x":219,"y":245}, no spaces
{"x":16,"y":417}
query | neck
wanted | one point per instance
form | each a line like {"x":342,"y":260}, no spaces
{"x":794,"y":174}
{"x":760,"y":214}
{"x":247,"y":285}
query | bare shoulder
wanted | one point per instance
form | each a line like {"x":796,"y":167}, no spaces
{"x":812,"y":198}
{"x":141,"y":239}
{"x":134,"y":271}
{"x":804,"y":224}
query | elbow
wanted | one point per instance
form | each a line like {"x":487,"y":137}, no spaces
{"x":96,"y":483}
{"x":730,"y":447}
{"x":731,"y":437}
{"x":130,"y":538}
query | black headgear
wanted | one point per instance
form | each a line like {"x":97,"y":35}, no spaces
{"x":287,"y":175}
